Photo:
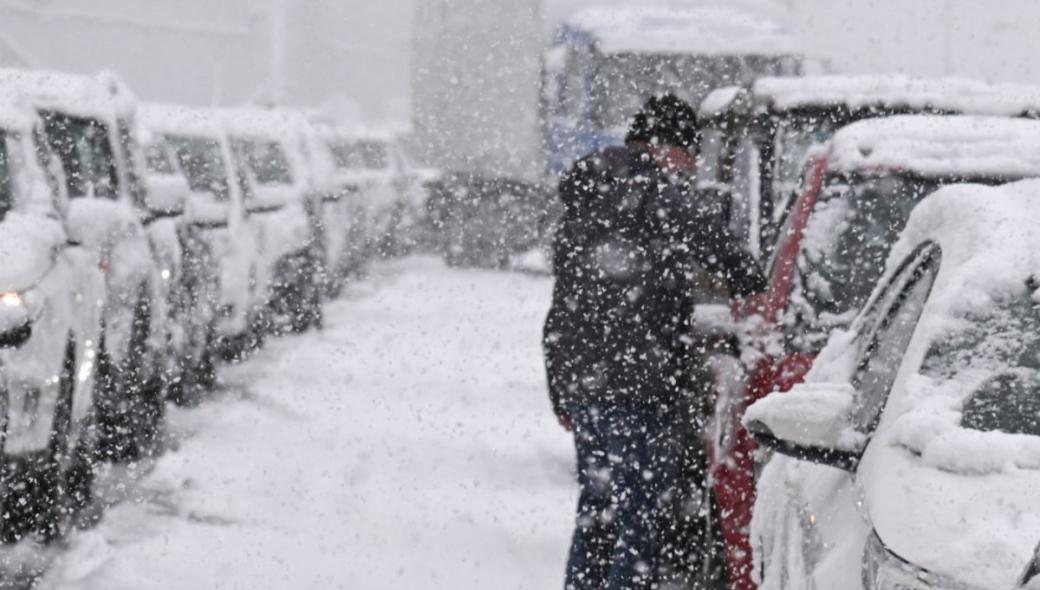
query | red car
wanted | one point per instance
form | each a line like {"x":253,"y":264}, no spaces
{"x":856,"y":194}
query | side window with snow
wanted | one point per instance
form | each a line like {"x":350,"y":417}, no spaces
{"x":991,"y":361}
{"x":83,"y":146}
{"x":887,"y":333}
{"x":6,"y":177}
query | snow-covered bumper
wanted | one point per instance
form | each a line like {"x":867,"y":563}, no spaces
{"x":32,"y":357}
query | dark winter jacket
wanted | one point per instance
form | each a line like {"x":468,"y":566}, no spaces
{"x":625,"y":256}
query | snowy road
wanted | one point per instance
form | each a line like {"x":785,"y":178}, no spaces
{"x":407,"y":446}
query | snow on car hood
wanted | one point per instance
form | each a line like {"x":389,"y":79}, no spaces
{"x":27,"y":246}
{"x":978,"y":529}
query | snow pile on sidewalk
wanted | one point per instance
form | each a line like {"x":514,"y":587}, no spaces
{"x":409,"y":445}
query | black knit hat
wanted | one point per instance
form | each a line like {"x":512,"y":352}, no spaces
{"x":666,"y":120}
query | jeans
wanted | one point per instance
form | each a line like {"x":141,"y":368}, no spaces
{"x":628,"y":464}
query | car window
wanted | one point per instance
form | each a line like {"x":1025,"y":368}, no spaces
{"x":360,"y":155}
{"x":83,"y":146}
{"x":6,"y":180}
{"x":203,"y":164}
{"x":265,"y":158}
{"x":887,"y":330}
{"x":848,"y":237}
{"x":157,"y":160}
{"x":996,"y":352}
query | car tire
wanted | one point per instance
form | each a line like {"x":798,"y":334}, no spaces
{"x":131,"y":408}
{"x":55,"y":485}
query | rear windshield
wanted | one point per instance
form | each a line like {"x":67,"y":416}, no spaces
{"x":996,"y":353}
{"x":85,"y":150}
{"x":202,"y":163}
{"x":266,"y":159}
{"x":359,"y":155}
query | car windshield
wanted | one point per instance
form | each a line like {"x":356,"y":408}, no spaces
{"x":202,"y":163}
{"x":848,"y":238}
{"x":359,"y":155}
{"x":624,"y":81}
{"x":265,"y":158}
{"x":83,"y":146}
{"x":997,"y":353}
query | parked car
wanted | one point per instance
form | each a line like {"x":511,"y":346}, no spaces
{"x":486,"y":222}
{"x":336,"y":205}
{"x":755,"y":138}
{"x":52,"y":295}
{"x":267,"y":148}
{"x":217,"y":310}
{"x":910,"y":458}
{"x":392,"y":189}
{"x":89,"y":123}
{"x":856,"y":196}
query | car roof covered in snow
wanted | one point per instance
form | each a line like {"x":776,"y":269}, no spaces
{"x":276,"y":123}
{"x":179,"y":119}
{"x":103,"y":94}
{"x":709,"y":30}
{"x":940,"y":146}
{"x":883,"y":92}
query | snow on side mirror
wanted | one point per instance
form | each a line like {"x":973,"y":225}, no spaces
{"x":809,"y":422}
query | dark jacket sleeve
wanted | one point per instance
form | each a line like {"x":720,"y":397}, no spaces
{"x":704,"y":232}
{"x":555,"y":361}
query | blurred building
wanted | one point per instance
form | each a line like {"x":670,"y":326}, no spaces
{"x":223,"y":52}
{"x":475,"y":86}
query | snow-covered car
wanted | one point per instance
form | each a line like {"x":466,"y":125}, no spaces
{"x":89,"y":123}
{"x":224,"y":290}
{"x":755,"y":138}
{"x":392,"y":190}
{"x":269,"y":152}
{"x":910,"y":458}
{"x":858,"y":191}
{"x":52,"y":293}
{"x":336,"y":207}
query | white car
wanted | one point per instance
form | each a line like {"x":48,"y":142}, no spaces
{"x":392,"y":190}
{"x":268,"y":150}
{"x":52,"y":294}
{"x":88,"y":121}
{"x":338,"y":207}
{"x":192,"y":144}
{"x":910,"y":458}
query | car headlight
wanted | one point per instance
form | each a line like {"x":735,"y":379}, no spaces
{"x":884,"y":570}
{"x":11,"y":299}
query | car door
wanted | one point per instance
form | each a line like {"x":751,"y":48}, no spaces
{"x":807,"y":529}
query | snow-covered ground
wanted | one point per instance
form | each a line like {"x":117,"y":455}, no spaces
{"x":409,"y":445}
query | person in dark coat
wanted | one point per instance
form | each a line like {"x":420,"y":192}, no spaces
{"x":617,"y":338}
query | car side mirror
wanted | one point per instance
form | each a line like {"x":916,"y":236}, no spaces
{"x":165,"y":195}
{"x":810,"y":422}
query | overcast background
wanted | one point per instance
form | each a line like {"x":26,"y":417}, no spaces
{"x":207,"y":52}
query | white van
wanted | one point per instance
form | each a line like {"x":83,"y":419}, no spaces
{"x":88,"y":121}
{"x":191,"y":143}
{"x":267,"y":148}
{"x":52,"y":294}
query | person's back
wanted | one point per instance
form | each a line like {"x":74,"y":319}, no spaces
{"x":617,"y":336}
